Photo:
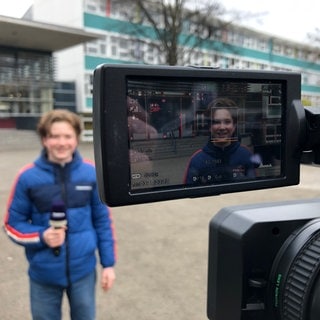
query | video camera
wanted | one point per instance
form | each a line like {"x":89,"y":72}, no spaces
{"x":152,"y":125}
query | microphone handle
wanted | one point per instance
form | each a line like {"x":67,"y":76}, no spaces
{"x":56,"y":251}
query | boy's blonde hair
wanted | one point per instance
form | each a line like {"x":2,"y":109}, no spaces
{"x":57,"y":115}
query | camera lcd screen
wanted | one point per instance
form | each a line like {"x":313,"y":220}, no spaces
{"x":189,"y":133}
{"x":167,"y":133}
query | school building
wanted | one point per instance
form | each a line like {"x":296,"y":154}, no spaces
{"x":235,"y":47}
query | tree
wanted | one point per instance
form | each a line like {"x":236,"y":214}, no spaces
{"x":178,"y":26}
{"x":314,"y":37}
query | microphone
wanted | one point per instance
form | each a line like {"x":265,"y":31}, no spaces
{"x":58,"y":220}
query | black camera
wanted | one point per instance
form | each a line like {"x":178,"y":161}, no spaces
{"x":264,"y":262}
{"x":149,"y":121}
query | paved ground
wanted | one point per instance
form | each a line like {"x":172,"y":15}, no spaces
{"x":162,"y":248}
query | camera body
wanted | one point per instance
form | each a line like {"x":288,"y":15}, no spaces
{"x":264,"y":261}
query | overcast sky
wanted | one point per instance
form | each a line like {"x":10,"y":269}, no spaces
{"x":285,"y":18}
{"x":14,"y":8}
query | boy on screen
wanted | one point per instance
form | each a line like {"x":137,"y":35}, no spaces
{"x":223,"y":158}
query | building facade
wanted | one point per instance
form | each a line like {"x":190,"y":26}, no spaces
{"x":28,"y":84}
{"x":245,"y":49}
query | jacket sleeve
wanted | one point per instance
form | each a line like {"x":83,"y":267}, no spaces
{"x":18,"y":216}
{"x":103,"y":224}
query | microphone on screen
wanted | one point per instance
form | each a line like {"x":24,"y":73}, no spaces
{"x":58,"y":220}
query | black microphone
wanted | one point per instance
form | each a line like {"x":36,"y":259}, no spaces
{"x":58,"y":219}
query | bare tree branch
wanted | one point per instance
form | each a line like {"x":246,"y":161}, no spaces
{"x":180,"y":27}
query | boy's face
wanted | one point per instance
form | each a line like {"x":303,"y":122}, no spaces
{"x":222,"y":127}
{"x":60,"y":142}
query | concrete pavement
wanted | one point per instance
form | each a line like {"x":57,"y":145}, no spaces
{"x":162,"y":248}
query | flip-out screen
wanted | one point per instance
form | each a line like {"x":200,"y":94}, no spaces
{"x":195,"y":133}
{"x":165,"y":133}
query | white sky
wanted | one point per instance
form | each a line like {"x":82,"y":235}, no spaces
{"x":14,"y":8}
{"x":286,"y":18}
{"x":291,"y":19}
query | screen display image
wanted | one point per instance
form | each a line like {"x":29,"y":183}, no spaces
{"x":193,"y":133}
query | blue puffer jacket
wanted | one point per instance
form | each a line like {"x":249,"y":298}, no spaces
{"x":89,"y":225}
{"x":213,"y":164}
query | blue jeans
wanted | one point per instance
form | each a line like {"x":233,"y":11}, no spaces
{"x":46,"y":300}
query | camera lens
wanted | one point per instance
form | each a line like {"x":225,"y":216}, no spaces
{"x":294,"y":290}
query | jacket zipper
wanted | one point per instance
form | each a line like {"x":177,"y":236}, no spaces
{"x":63,"y":182}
